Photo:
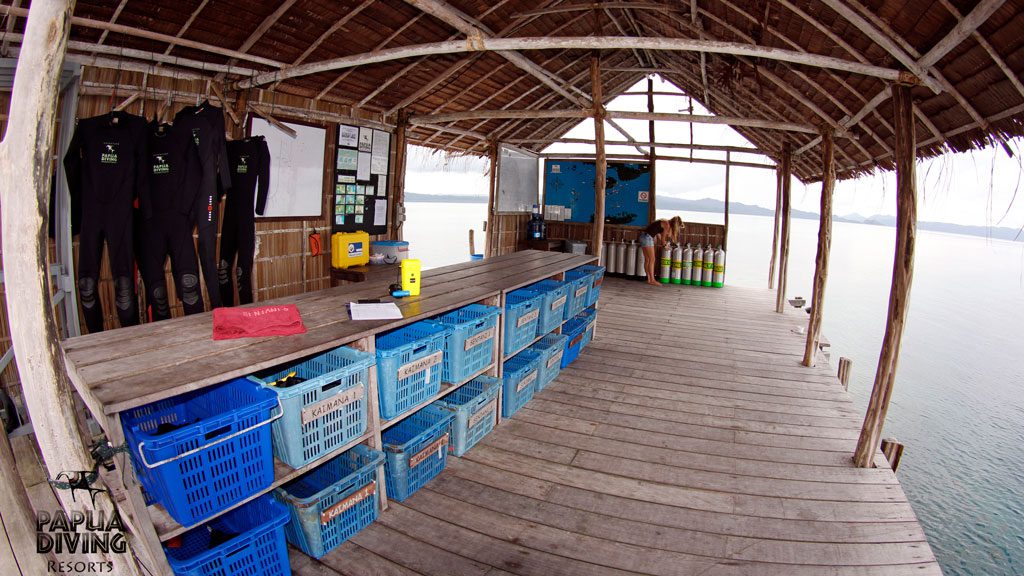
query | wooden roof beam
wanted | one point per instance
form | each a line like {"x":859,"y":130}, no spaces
{"x":964,"y":28}
{"x":988,"y":48}
{"x":642,"y":158}
{"x":188,"y":24}
{"x":672,"y":145}
{"x":379,"y":45}
{"x":591,"y":5}
{"x":113,"y":18}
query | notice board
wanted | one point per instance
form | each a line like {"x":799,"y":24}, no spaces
{"x":569,"y":185}
{"x":296,"y":170}
{"x":361,"y":166}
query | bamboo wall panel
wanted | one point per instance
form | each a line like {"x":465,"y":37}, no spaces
{"x":509,"y":233}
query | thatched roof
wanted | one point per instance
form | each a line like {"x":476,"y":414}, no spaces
{"x":968,"y":68}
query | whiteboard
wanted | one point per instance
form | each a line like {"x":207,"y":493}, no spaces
{"x":296,"y":170}
{"x":518,"y":181}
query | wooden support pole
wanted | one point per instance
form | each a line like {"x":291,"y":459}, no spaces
{"x":902,"y":276}
{"x":25,"y":174}
{"x":785,"y":175}
{"x":725,"y":234}
{"x":398,"y":192}
{"x":775,"y":229}
{"x":652,"y":208}
{"x":18,"y":554}
{"x":893,"y":450}
{"x":845,"y":365}
{"x":490,"y":239}
{"x":828,"y":184}
{"x":600,"y":161}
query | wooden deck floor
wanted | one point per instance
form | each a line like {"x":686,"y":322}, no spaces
{"x":687,"y":439}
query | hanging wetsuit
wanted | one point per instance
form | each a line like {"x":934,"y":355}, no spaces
{"x":207,"y":122}
{"x":249,"y":162}
{"x":173,"y":167}
{"x":105,"y":171}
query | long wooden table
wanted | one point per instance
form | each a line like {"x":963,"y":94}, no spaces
{"x":130,"y":367}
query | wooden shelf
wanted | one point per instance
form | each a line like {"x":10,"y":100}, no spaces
{"x":446,"y":387}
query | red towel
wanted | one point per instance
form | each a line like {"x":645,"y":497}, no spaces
{"x":256,"y":322}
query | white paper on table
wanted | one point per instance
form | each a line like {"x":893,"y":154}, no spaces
{"x":379,"y":153}
{"x":363,"y":166}
{"x":380,"y":212}
{"x":348,"y":136}
{"x":382,"y":311}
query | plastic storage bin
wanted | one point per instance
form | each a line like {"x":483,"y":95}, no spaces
{"x":474,"y":407}
{"x":555,"y":297}
{"x":251,"y":542}
{"x":522,"y":314}
{"x":216,"y":453}
{"x":416,"y":450}
{"x":470,"y":344}
{"x":579,"y":288}
{"x":551,"y":348}
{"x":597,"y":275}
{"x":326,"y":411}
{"x":333,"y":502}
{"x":390,"y":251}
{"x":519,"y":381}
{"x":409,"y":366}
{"x":579,"y":329}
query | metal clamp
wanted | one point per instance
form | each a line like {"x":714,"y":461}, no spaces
{"x":142,"y":455}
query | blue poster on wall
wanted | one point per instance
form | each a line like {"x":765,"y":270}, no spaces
{"x":569,"y":186}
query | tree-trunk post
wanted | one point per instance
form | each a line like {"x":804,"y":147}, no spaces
{"x":398,"y":188}
{"x":828,"y":184}
{"x":902,"y":276}
{"x":25,"y":174}
{"x":490,"y":239}
{"x":785,"y":175}
{"x":652,"y":207}
{"x":601,"y":162}
{"x":775,"y":229}
{"x":725,"y":235}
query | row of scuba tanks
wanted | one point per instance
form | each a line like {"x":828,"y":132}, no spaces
{"x":679,"y":264}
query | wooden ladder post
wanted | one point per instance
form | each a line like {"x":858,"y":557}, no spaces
{"x":893,"y":450}
{"x":828,"y":184}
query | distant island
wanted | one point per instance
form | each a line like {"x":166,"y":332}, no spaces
{"x":716,"y":207}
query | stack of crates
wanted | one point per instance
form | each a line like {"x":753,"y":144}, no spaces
{"x":519,"y":381}
{"x":416,"y":450}
{"x":333,"y":502}
{"x":579,"y":288}
{"x":474,"y":408}
{"x":551,"y":348}
{"x":554,"y":298}
{"x":247,"y":540}
{"x":597,"y":278}
{"x":469,"y":347}
{"x":579,"y":330}
{"x":188,"y":450}
{"x":409,"y":364}
{"x":324,"y":401}
{"x":522,"y":314}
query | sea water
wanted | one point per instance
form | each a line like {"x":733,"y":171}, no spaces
{"x":958,"y":402}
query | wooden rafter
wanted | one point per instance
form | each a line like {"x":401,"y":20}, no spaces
{"x":705,"y":147}
{"x":184,"y":27}
{"x":12,"y":20}
{"x":585,"y":7}
{"x":394,"y":34}
{"x":113,"y":18}
{"x":989,"y":49}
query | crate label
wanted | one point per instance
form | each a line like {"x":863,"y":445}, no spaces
{"x":332,"y":404}
{"x":558,"y":303}
{"x":417,"y":366}
{"x":527,"y":318}
{"x":526,"y":381}
{"x":555,"y":360}
{"x":437,"y":446}
{"x":577,"y":339}
{"x":480,"y":338}
{"x":600,"y":281}
{"x":489,"y":409}
{"x":355,"y":498}
{"x":581,"y":291}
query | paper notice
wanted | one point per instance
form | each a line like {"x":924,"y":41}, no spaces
{"x":380,"y":212}
{"x":365,"y":139}
{"x":379,"y":154}
{"x":363,"y":166}
{"x":347,"y":159}
{"x":348,"y":136}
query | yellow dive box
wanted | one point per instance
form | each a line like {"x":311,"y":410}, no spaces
{"x":349,"y":249}
{"x":411,"y":276}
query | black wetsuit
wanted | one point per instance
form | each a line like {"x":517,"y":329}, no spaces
{"x":105,"y":171}
{"x":249,"y":162}
{"x":207,"y":122}
{"x":172,"y":169}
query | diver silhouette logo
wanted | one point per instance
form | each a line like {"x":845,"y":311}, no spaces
{"x":79,"y":481}
{"x":109,"y":154}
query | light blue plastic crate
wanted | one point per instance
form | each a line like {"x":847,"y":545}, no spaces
{"x":579,"y":330}
{"x":333,"y":502}
{"x":597,"y":278}
{"x":554,"y":300}
{"x":522,"y":314}
{"x":519,"y":381}
{"x":326,"y":411}
{"x":551,"y":349}
{"x":474,"y":407}
{"x":409,"y":363}
{"x":258,"y":546}
{"x":579,"y":288}
{"x":470,"y":345}
{"x":416,"y":450}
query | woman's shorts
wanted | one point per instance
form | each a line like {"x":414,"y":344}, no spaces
{"x":646,"y":239}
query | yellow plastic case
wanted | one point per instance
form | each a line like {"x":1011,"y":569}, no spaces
{"x":349,"y":249}
{"x":411,"y":276}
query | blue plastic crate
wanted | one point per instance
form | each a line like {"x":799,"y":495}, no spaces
{"x":554,"y":300}
{"x":258,"y":546}
{"x":326,"y":411}
{"x":470,"y":345}
{"x":522,"y":314}
{"x":579,"y":288}
{"x":416,"y":450}
{"x":474,"y":408}
{"x":597,"y":275}
{"x":409,"y":363}
{"x":579,"y":329}
{"x":551,"y":349}
{"x":333,"y":502}
{"x":218,"y":456}
{"x":519,"y":381}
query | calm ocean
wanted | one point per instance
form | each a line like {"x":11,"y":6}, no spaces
{"x":958,"y":403}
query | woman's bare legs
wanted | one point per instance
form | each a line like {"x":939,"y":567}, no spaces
{"x":649,"y":265}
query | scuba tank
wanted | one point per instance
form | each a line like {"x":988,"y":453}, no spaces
{"x":677,"y":265}
{"x":620,"y":257}
{"x":687,"y":266}
{"x":698,"y":265}
{"x":605,"y":254}
{"x":709,"y":267}
{"x":630,"y":268}
{"x":666,"y":264}
{"x":718,"y":280}
{"x":641,"y":272}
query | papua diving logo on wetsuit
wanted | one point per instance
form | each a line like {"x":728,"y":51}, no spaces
{"x":243,"y":165}
{"x":160,"y":165}
{"x":109,"y":153}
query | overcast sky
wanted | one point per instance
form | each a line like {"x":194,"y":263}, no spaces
{"x":971,"y":188}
